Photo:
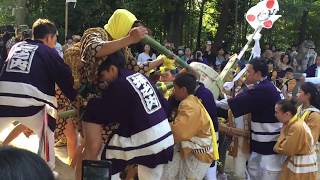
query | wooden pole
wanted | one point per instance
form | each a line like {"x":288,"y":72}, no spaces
{"x":66,"y":24}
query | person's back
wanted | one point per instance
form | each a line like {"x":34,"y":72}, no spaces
{"x":32,"y":70}
{"x":27,"y":85}
{"x":131,"y":101}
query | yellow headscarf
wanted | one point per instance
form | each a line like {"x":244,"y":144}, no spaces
{"x":120,"y":23}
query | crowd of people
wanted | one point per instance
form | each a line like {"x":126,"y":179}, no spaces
{"x":269,"y":122}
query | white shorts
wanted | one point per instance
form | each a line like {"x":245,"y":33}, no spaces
{"x":189,"y":168}
{"x":34,"y":123}
{"x":264,"y":167}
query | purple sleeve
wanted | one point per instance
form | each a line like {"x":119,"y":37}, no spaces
{"x":211,"y":107}
{"x":110,"y":107}
{"x":244,"y":103}
{"x":61,"y":74}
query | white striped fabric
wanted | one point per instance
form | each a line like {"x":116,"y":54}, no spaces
{"x":266,"y":127}
{"x":25,"y":89}
{"x":264,"y":138}
{"x":19,"y":101}
{"x":303,"y":164}
{"x":149,"y":150}
{"x":197,"y":143}
{"x":143,"y":137}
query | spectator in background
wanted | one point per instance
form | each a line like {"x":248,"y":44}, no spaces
{"x":187,"y":55}
{"x":59,"y":47}
{"x":277,"y":58}
{"x":288,"y":83}
{"x":268,"y":55}
{"x":293,"y":55}
{"x":17,"y":37}
{"x":146,"y":55}
{"x":220,"y":58}
{"x":227,"y":55}
{"x":68,"y":44}
{"x":76,"y":38}
{"x":20,"y":164}
{"x":293,"y":52}
{"x":272,"y":73}
{"x":181,"y":52}
{"x":209,"y":55}
{"x":314,"y":70}
{"x":285,"y":63}
{"x":198,"y":58}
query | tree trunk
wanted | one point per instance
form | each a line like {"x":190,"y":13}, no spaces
{"x":303,"y":27}
{"x":21,"y":12}
{"x":176,"y":23}
{"x":223,"y":24}
{"x":200,"y":24}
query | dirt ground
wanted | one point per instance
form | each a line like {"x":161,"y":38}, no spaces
{"x":65,"y":172}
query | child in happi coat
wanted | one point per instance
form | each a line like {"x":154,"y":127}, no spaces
{"x":309,"y":111}
{"x":297,"y":143}
{"x":193,"y":132}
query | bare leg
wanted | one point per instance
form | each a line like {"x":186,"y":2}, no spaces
{"x":78,"y":155}
{"x":71,"y":135}
{"x":92,"y":144}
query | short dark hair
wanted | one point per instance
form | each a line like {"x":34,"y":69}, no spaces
{"x":43,"y":27}
{"x":259,"y":64}
{"x":186,"y":80}
{"x":289,"y":69}
{"x":22,"y":164}
{"x":310,"y":88}
{"x":117,"y":59}
{"x":288,"y":106}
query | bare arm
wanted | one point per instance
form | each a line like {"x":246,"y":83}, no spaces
{"x":231,"y":131}
{"x":155,"y":63}
{"x":135,"y":35}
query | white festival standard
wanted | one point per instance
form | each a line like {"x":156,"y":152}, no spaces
{"x":262,"y":15}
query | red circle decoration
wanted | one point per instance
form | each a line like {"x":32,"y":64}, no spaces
{"x":270,"y":4}
{"x":267,"y":24}
{"x":251,"y":18}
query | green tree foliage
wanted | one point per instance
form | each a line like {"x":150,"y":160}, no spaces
{"x":177,"y":20}
{"x":6,"y":17}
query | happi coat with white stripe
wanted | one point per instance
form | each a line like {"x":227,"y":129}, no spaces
{"x":144,"y":135}
{"x":296,"y":142}
{"x":30,"y":74}
{"x":259,"y":101}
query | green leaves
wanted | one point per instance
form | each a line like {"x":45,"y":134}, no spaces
{"x":161,"y":17}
